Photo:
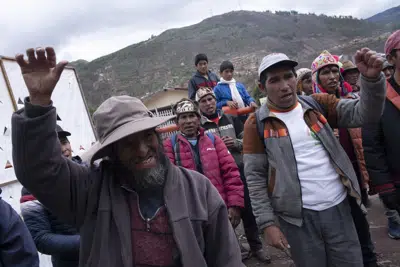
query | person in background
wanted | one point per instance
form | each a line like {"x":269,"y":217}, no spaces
{"x":52,"y":236}
{"x":17,"y":248}
{"x":207,"y":154}
{"x":203,"y":76}
{"x":230,"y":129}
{"x":351,"y":74}
{"x":304,"y":82}
{"x":296,"y":168}
{"x":327,"y":75}
{"x":135,"y":208}
{"x":382,"y":143}
{"x":231,"y":93}
{"x":388,"y":69}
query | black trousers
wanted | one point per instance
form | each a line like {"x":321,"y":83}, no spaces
{"x":249,"y":221}
{"x":364,"y":235}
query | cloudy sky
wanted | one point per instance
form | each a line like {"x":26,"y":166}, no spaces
{"x":88,"y":29}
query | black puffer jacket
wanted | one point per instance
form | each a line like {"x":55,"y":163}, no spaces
{"x":51,"y":236}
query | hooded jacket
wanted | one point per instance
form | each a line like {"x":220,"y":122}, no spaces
{"x":198,"y":80}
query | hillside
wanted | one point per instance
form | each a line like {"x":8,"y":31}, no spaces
{"x":390,"y":16}
{"x":243,"y":37}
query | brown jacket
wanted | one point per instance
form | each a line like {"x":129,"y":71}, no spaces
{"x":93,"y":200}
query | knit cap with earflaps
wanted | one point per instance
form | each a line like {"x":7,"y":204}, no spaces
{"x":323,"y":60}
{"x":204,"y":91}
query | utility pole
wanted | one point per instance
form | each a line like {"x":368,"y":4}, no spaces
{"x":240,"y":5}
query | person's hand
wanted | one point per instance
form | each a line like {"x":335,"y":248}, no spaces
{"x":41,"y":73}
{"x":390,"y":200}
{"x":229,"y":141}
{"x":275,"y":238}
{"x":234,"y":216}
{"x":253,"y":105}
{"x":232,"y":104}
{"x":369,"y":63}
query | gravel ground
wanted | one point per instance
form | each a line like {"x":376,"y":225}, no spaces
{"x":388,"y":250}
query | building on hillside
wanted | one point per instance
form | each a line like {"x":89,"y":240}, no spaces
{"x":164,"y":99}
{"x":161,"y":102}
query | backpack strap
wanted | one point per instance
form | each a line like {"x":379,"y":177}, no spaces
{"x":176,"y":149}
{"x":260,"y":126}
{"x":392,"y":95}
{"x":211,"y":136}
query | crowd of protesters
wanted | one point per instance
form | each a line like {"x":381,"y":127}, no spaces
{"x":298,"y":170}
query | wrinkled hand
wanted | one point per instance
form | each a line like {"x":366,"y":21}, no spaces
{"x":234,"y":216}
{"x":275,"y":238}
{"x":369,"y":63}
{"x":233,"y":104}
{"x":229,"y":141}
{"x":40,"y":73}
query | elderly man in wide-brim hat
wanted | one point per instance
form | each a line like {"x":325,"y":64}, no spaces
{"x":136,"y":208}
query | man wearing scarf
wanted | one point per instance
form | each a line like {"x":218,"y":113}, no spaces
{"x":328,"y":78}
{"x":296,"y":168}
{"x":230,"y":129}
{"x":230,"y":93}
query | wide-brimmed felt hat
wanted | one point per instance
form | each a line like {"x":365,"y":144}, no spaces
{"x":348,"y":65}
{"x":119,"y":117}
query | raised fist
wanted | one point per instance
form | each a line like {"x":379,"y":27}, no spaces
{"x":41,"y":73}
{"x":369,"y":63}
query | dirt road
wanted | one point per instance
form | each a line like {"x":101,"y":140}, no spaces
{"x":388,"y":250}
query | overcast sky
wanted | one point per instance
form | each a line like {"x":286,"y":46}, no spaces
{"x":88,"y":29}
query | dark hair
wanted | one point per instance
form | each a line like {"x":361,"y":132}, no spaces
{"x":393,"y":53}
{"x":226,"y":65}
{"x":263,"y":75}
{"x":306,"y":76}
{"x":199,"y":58}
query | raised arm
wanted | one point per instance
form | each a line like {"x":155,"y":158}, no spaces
{"x":60,"y":184}
{"x":348,"y":113}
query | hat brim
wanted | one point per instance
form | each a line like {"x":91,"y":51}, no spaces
{"x":99,"y":150}
{"x":63,"y":134}
{"x":287,"y":62}
{"x":350,"y":69}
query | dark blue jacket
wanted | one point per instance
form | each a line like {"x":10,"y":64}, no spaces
{"x":223,"y":94}
{"x":17,"y":248}
{"x":199,"y":81}
{"x":51,"y":236}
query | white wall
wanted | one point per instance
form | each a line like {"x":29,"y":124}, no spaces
{"x":71,"y":109}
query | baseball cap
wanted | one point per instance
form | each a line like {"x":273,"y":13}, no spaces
{"x":273,"y":59}
{"x":61,"y":132}
{"x":393,"y":42}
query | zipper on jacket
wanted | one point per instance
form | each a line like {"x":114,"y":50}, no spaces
{"x":295,"y":162}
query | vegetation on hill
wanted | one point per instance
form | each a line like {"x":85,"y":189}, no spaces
{"x":243,"y":37}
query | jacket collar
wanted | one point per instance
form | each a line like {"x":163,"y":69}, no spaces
{"x":265,"y":112}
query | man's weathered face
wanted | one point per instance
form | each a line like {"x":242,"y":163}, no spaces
{"x":202,"y":67}
{"x":208,"y":105}
{"x":389,"y":71}
{"x":141,"y":154}
{"x":227,"y":74}
{"x":280,"y":86}
{"x":351,"y":76}
{"x":189,"y":124}
{"x":329,"y":78}
{"x":66,"y":149}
